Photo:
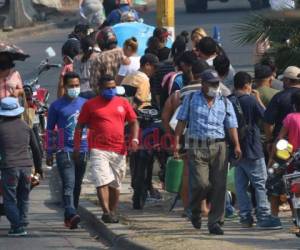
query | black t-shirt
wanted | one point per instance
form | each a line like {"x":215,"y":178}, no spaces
{"x":253,"y":113}
{"x":162,"y":54}
{"x":279,"y":107}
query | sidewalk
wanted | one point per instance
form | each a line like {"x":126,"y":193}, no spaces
{"x":46,"y":229}
{"x":62,"y":19}
{"x":156,"y":228}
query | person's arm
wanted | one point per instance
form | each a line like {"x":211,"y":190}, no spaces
{"x":183,"y":119}
{"x":131,"y":118}
{"x":134,"y":130}
{"x":170,"y":106}
{"x":50,"y":138}
{"x":256,"y":94}
{"x":178,"y":133}
{"x":233,"y":133}
{"x":60,"y":87}
{"x":36,"y":153}
{"x":231,"y":124}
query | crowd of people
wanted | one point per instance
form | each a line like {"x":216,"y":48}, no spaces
{"x":214,"y":116}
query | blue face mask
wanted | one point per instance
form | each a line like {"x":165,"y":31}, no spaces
{"x":108,"y":94}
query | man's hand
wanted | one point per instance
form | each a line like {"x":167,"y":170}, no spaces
{"x":49,"y":160}
{"x":256,"y":94}
{"x":134,"y":146}
{"x":176,"y":151}
{"x":237,"y":153}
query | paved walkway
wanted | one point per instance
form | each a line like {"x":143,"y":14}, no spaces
{"x":156,"y":228}
{"x":46,"y":229}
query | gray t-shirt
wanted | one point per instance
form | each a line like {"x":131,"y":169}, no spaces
{"x":15,"y":138}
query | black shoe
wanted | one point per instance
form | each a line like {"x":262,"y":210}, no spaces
{"x":108,"y":218}
{"x":196,"y":222}
{"x":216,"y":229}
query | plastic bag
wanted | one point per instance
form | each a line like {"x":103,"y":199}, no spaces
{"x":230,"y":180}
{"x":282,"y":4}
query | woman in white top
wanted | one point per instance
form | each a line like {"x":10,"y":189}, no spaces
{"x":131,"y":62}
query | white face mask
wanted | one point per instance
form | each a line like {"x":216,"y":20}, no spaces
{"x":73,"y":92}
{"x":213,"y":92}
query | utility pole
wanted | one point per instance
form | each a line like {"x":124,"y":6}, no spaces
{"x":166,"y":15}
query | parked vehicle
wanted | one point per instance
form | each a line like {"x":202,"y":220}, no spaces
{"x":193,"y":6}
{"x":37,"y":97}
{"x":287,"y":170}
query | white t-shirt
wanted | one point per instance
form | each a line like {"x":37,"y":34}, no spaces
{"x":131,"y":68}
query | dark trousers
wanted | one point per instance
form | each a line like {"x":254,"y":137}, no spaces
{"x":207,"y":174}
{"x":71,"y":175}
{"x":16,"y":189}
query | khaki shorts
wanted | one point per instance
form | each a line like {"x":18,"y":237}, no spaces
{"x":107,"y":168}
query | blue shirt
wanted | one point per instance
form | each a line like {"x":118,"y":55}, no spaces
{"x":206,"y":122}
{"x":115,"y":16}
{"x":63,"y":114}
{"x":253,"y":112}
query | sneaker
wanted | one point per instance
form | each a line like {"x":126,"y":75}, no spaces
{"x":72,"y":223}
{"x":232,"y":215}
{"x":17,"y":232}
{"x":269,"y":223}
{"x":247,"y":222}
{"x":216,"y":229}
{"x":108,"y":218}
{"x":154,"y":194}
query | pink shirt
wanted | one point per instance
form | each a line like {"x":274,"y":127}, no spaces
{"x":292,"y":124}
{"x":9,"y":83}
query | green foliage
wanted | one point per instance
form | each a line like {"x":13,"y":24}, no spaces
{"x":283,"y":33}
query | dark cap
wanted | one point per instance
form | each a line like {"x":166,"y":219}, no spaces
{"x":210,"y":76}
{"x":262,"y":71}
{"x":151,"y":59}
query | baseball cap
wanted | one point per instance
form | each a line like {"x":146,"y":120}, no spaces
{"x":291,"y":72}
{"x":210,"y":76}
{"x":262,"y":71}
{"x":151,"y":59}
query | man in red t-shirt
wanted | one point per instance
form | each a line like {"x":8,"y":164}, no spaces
{"x":105,"y":116}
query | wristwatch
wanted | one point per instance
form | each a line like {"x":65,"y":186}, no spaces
{"x":136,"y":141}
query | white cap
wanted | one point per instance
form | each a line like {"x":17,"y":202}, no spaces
{"x":291,"y":72}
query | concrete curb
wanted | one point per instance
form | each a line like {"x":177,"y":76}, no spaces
{"x":39,"y":28}
{"x":118,"y":235}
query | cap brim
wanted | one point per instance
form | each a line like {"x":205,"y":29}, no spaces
{"x":11,"y":113}
{"x":280,"y":77}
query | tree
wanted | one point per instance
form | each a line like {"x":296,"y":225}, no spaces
{"x":282,"y":29}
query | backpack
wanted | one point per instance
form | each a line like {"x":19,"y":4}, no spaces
{"x":168,"y":81}
{"x":243,"y":126}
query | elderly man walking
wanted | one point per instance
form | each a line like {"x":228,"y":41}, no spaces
{"x":208,"y":115}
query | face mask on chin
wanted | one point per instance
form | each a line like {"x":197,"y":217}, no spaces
{"x":109,"y":94}
{"x":73,"y":92}
{"x":213,"y":92}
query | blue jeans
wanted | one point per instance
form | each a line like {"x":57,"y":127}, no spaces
{"x":253,"y":171}
{"x":229,"y":209}
{"x":16,"y":189}
{"x":71,"y":176}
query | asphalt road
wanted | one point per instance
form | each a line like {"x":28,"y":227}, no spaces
{"x":225,"y":15}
